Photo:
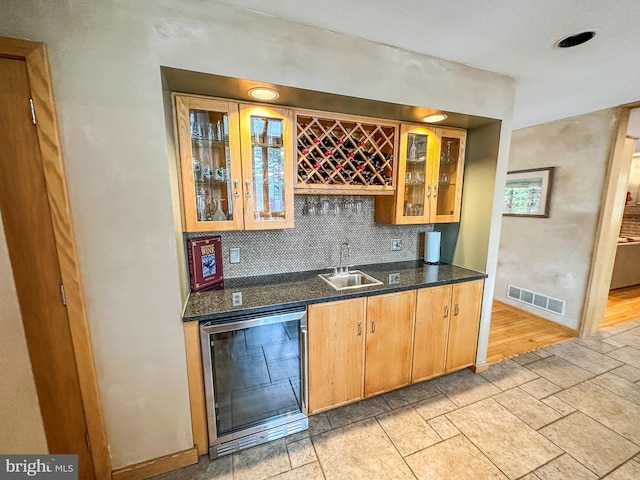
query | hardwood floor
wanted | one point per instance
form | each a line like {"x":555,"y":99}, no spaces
{"x":623,"y":305}
{"x":515,"y":331}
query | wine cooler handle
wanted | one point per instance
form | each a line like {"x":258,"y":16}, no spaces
{"x":456,"y":310}
{"x":235,"y":188}
{"x":247,"y":192}
{"x":435,"y":191}
{"x":428,"y":191}
{"x":305,"y":368}
{"x":446,"y":311}
{"x":373,"y":326}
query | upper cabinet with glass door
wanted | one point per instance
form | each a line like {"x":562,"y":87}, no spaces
{"x":412,"y":202}
{"x":219,"y":176}
{"x":267,"y":166}
{"x":450,"y":170}
{"x":429,"y":185}
{"x":209,"y":142}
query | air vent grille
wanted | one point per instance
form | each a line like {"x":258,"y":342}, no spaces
{"x":538,"y":300}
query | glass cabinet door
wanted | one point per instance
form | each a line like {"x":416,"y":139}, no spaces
{"x":414,"y":190}
{"x":209,"y":151}
{"x":267,"y":167}
{"x":449,"y":175}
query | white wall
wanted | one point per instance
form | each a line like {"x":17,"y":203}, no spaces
{"x":105,"y":59}
{"x":22,"y":430}
{"x":553,"y":255}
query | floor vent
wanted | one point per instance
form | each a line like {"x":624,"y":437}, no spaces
{"x":538,"y":300}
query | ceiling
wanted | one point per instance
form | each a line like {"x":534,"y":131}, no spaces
{"x":515,"y":38}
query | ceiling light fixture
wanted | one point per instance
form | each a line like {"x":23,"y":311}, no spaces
{"x":576,"y":39}
{"x":434,"y":118}
{"x":263,"y":93}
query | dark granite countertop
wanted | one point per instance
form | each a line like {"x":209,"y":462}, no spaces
{"x":267,"y":293}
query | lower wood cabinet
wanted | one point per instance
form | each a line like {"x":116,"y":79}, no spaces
{"x":336,"y":353}
{"x":359,"y":348}
{"x":446,"y":332}
{"x":371,"y":345}
{"x":388,"y":343}
{"x":462,"y":342}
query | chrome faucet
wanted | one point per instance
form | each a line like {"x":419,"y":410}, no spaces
{"x":344,"y":268}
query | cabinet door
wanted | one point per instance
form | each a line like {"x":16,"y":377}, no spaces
{"x":210,"y":167}
{"x":267,"y":166}
{"x":448,"y":176}
{"x":414,"y":190}
{"x":336,"y":353}
{"x":389,"y":341}
{"x":432,"y":328}
{"x":466,"y":302}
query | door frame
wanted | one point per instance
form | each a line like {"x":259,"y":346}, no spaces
{"x":611,"y":211}
{"x":35,"y":56}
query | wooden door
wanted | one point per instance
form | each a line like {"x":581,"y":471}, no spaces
{"x":34,"y":259}
{"x":389,"y":341}
{"x":336,"y":353}
{"x":267,"y":167}
{"x":466,"y":303}
{"x":432,"y":328}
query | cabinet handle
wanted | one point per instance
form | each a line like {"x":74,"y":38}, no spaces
{"x":247,"y":192}
{"x":435,"y":191}
{"x":373,"y":326}
{"x":235,"y":187}
{"x":428,"y":191}
{"x":455,"y":309}
{"x":446,"y":311}
{"x":359,"y":328}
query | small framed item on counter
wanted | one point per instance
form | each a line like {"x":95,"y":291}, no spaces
{"x":205,"y":262}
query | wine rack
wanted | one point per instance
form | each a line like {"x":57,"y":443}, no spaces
{"x":344,"y":154}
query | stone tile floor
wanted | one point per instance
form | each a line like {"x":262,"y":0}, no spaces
{"x":570,"y":411}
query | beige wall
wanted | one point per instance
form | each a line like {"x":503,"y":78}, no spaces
{"x":553,"y":255}
{"x":21,"y":428}
{"x":105,"y":60}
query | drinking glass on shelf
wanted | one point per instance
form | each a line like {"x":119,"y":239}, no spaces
{"x":419,"y":177}
{"x":445,"y":155}
{"x":444,"y":179}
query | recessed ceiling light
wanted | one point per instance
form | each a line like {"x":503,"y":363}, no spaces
{"x":263,"y":93}
{"x":434,"y":118}
{"x":576,"y":39}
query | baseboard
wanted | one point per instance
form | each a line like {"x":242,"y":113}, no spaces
{"x":538,"y":319}
{"x":479,"y":368}
{"x":157,"y":466}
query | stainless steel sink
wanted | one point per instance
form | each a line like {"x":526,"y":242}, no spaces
{"x":354,"y":279}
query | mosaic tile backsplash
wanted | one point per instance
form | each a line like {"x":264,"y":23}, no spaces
{"x":314,"y":243}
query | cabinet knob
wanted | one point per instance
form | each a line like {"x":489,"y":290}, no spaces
{"x":373,"y":326}
{"x":235,"y":188}
{"x":247,"y":192}
{"x":435,"y":191}
{"x":446,"y":311}
{"x":359,"y":328}
{"x":455,"y":309}
{"x":428,"y":191}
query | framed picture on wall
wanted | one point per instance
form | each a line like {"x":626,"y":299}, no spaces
{"x":527,"y":193}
